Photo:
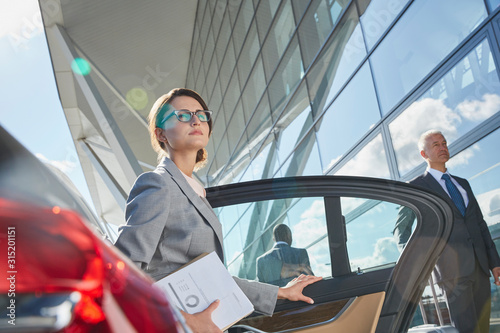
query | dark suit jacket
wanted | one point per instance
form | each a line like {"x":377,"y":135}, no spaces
{"x":269,"y":264}
{"x":470,"y":238}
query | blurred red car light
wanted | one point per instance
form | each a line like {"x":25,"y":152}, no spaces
{"x":48,"y":251}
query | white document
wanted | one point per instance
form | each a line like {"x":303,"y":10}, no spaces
{"x":194,"y":287}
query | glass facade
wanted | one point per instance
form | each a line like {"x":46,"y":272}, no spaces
{"x":346,"y":88}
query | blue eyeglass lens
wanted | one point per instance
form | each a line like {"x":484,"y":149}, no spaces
{"x":202,"y":115}
{"x":184,"y":116}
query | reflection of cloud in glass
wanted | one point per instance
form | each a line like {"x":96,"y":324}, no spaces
{"x":332,"y":162}
{"x":311,"y":225}
{"x":348,"y":204}
{"x":479,"y":110}
{"x":310,"y":228}
{"x":490,"y":206}
{"x":370,"y":161}
{"x":385,"y":251}
{"x":65,"y":166}
{"x":462,"y":158}
{"x":421,"y":116}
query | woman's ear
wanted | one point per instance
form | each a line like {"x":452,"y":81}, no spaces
{"x":160,"y":136}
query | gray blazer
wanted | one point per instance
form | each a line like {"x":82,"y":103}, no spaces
{"x":168,"y":225}
{"x":470,"y":238}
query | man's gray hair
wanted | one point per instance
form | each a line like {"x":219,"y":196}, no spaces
{"x":424,"y":136}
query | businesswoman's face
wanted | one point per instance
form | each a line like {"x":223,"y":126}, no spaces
{"x":181,"y":135}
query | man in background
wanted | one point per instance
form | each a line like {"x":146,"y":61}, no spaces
{"x":283,"y":262}
{"x":463,"y":269}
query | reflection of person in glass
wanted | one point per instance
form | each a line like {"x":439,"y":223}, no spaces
{"x":283,"y":262}
{"x":463,"y":268}
{"x":169,"y":221}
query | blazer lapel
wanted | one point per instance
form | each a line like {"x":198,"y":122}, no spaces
{"x":201,"y":204}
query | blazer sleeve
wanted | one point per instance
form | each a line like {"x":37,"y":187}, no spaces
{"x":263,"y":296}
{"x":146,"y":214}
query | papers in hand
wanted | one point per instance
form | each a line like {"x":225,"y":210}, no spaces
{"x":195,"y":286}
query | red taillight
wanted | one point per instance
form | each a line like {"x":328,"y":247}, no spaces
{"x":56,"y":252}
{"x":89,"y":311}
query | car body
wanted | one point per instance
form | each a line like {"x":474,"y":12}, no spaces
{"x":59,"y":273}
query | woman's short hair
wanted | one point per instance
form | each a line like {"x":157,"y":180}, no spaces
{"x":159,"y":108}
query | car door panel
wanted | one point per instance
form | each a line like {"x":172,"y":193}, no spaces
{"x":350,"y":202}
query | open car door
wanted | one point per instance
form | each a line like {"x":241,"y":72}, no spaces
{"x":346,"y":226}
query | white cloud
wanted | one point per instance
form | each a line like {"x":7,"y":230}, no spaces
{"x":490,"y":206}
{"x":385,"y":251}
{"x":311,"y":226}
{"x":479,"y":110}
{"x":65,"y":165}
{"x":462,"y":158}
{"x":370,"y":161}
{"x":421,"y":116}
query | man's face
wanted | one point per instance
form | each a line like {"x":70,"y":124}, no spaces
{"x":435,"y":150}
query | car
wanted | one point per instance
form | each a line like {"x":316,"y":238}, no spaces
{"x":59,"y":273}
{"x":65,"y":274}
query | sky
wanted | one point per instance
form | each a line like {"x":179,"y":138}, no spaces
{"x":31,"y":110}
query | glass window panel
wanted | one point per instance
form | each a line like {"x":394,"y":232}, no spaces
{"x":254,"y":89}
{"x":205,"y":27}
{"x":220,"y":9}
{"x":264,"y":16}
{"x":243,"y":21}
{"x":378,"y":16}
{"x":305,"y":160}
{"x":248,"y":54}
{"x":232,"y":95}
{"x":258,"y":165}
{"x":260,"y":124}
{"x":348,"y":118}
{"x":463,"y":98}
{"x":278,"y":37}
{"x":494,"y":4}
{"x":235,"y":127}
{"x":227,"y":67}
{"x":369,"y":226}
{"x":370,"y":161}
{"x":232,"y":8}
{"x":208,"y":53}
{"x":340,"y":57}
{"x":299,"y":6}
{"x":223,"y":39}
{"x":316,"y":26}
{"x":213,"y":70}
{"x":286,"y":78}
{"x":289,"y":135}
{"x":480,"y":165}
{"x":216,"y":99}
{"x":305,"y":219}
{"x":422,"y":38}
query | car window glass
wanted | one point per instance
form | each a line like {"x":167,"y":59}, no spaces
{"x":370,"y":224}
{"x":248,"y":236}
{"x":373,"y":240}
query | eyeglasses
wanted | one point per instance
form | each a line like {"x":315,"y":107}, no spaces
{"x":185,"y":116}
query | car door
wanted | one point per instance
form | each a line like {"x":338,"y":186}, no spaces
{"x":345,"y":224}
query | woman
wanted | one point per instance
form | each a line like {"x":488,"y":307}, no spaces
{"x":169,"y":221}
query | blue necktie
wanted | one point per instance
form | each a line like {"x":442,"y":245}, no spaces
{"x":455,"y":194}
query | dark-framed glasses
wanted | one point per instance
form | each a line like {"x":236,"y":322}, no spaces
{"x":185,"y":116}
